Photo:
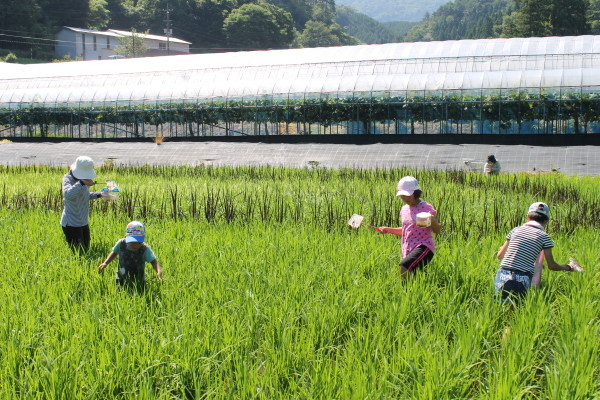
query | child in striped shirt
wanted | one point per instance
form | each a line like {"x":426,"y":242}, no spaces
{"x":520,"y":252}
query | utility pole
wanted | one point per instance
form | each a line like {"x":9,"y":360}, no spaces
{"x":168,"y":30}
{"x":133,"y":41}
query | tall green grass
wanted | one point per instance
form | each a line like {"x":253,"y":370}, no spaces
{"x":269,"y":295}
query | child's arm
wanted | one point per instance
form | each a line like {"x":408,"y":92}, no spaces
{"x":435,"y":225}
{"x":502,"y":251}
{"x":157,"y":268}
{"x":553,"y":265}
{"x":393,"y":231}
{"x":108,"y":260}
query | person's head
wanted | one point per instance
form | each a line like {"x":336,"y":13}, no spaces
{"x":491,"y":159}
{"x":83,"y":168}
{"x":539,"y":212}
{"x":135,"y":234}
{"x":408,"y":190}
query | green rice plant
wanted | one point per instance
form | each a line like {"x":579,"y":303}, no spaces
{"x":268,"y":294}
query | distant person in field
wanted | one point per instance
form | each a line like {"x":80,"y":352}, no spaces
{"x":133,"y":254}
{"x":492,"y":166}
{"x":76,"y":194}
{"x":418,"y":246}
{"x":521,"y":251}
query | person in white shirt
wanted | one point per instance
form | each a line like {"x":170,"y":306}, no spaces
{"x":492,"y":166}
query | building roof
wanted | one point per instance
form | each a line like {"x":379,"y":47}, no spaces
{"x":118,"y":33}
{"x":149,"y":36}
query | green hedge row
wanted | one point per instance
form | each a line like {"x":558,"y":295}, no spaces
{"x":581,"y":108}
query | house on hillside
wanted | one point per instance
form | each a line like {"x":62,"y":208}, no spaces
{"x":87,"y":44}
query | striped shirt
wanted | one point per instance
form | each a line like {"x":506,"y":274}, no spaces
{"x":525,"y":243}
{"x":77,"y":198}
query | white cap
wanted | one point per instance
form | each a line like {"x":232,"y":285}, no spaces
{"x":540,"y":208}
{"x":83,"y":168}
{"x":135,"y":232}
{"x":407,"y":186}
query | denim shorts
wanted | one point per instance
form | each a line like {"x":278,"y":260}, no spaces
{"x":511,"y":282}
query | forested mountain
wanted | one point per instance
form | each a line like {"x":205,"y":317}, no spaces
{"x":474,"y":19}
{"x":369,"y":30}
{"x":394,"y":10}
{"x":27,"y":27}
{"x":210,"y":25}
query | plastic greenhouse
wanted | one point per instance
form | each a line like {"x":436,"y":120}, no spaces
{"x":489,"y":86}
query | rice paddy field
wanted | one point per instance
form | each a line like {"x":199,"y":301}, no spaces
{"x":268,"y":294}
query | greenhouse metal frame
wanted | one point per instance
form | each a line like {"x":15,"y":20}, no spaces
{"x":488,"y":86}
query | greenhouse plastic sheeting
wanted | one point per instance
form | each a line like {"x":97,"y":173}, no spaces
{"x":486,"y":64}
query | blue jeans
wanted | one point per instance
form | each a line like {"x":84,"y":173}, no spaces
{"x":511,"y":283}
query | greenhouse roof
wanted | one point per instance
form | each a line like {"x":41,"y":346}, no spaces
{"x":553,"y":62}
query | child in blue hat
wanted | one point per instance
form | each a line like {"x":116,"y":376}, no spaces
{"x":133,"y":255}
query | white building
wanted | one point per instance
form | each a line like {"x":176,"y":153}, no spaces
{"x":86,"y":44}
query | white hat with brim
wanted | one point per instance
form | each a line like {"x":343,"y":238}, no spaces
{"x":83,"y":168}
{"x":407,"y":186}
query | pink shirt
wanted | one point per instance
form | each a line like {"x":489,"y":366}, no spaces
{"x":413,"y":235}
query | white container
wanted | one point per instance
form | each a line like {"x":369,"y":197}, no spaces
{"x":423,"y":219}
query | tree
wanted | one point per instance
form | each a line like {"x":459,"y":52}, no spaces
{"x":18,"y":16}
{"x":133,"y":45}
{"x":593,"y":17}
{"x":300,"y":10}
{"x":461,"y":19}
{"x":568,"y":17}
{"x":546,"y":18}
{"x":98,"y":16}
{"x":323,"y":12}
{"x":123,"y":14}
{"x":66,"y":12}
{"x":319,"y":34}
{"x":260,"y":26}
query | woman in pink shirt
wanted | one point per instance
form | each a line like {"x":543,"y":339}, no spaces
{"x":418,"y":246}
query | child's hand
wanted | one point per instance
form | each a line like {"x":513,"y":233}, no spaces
{"x":101,"y":267}
{"x":381,"y":229}
{"x":575,"y":267}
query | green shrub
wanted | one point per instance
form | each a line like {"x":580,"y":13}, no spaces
{"x":11,"y":58}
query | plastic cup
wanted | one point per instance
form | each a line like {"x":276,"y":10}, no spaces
{"x":423,"y":219}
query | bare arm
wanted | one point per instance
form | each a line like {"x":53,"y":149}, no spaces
{"x":157,"y":268}
{"x":108,"y":260}
{"x":502,"y":251}
{"x":393,"y":231}
{"x":553,"y":265}
{"x":435,"y":225}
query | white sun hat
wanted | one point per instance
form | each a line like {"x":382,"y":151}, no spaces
{"x":83,"y":168}
{"x":407,"y":186}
